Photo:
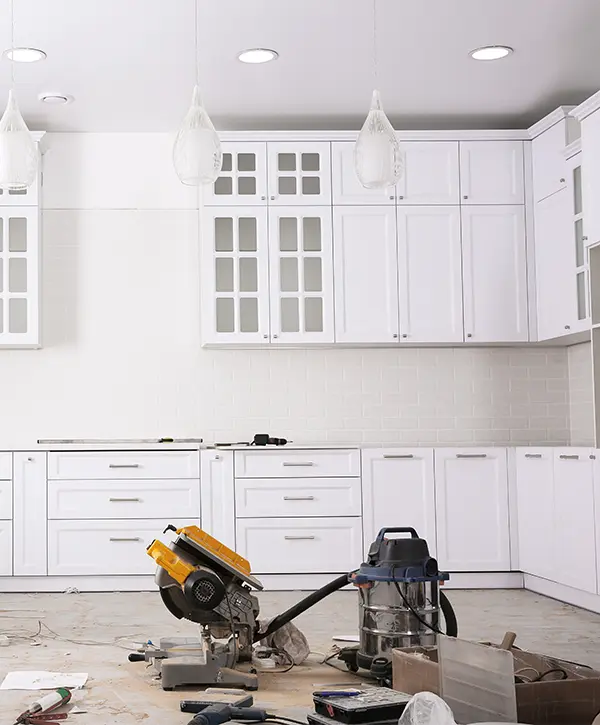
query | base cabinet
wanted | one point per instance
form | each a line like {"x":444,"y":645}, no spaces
{"x":6,"y":552}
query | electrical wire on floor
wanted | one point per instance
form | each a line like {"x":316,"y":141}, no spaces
{"x":283,"y":720}
{"x":23,"y":635}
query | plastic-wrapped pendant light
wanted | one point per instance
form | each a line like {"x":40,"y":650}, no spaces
{"x":378,"y":159}
{"x":197,"y":154}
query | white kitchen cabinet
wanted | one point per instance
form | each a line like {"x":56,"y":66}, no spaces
{"x":574,"y":519}
{"x":243,"y":177}
{"x":299,"y":173}
{"x":217,"y":507}
{"x":19,"y":277}
{"x":430,"y":274}
{"x":555,"y":266}
{"x":494,"y":274}
{"x":29,"y":514}
{"x":398,"y":489}
{"x":301,"y":274}
{"x":577,"y":237}
{"x":471,"y":491}
{"x":295,"y":463}
{"x":235,"y":275}
{"x":431,"y":173}
{"x":365,"y":263}
{"x":492,"y":172}
{"x":590,"y":145}
{"x":346,"y":187}
{"x":6,"y":548}
{"x":122,"y":465}
{"x":535,"y":510}
{"x":548,"y":161}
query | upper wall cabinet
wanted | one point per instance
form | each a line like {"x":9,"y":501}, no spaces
{"x":548,"y":154}
{"x":243,"y":178}
{"x":589,"y":115}
{"x":491,"y":172}
{"x":430,"y":173}
{"x":299,"y":173}
{"x":347,"y":189}
{"x":27,"y":197}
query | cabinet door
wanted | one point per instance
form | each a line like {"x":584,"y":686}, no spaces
{"x":574,"y":523}
{"x":548,"y":157}
{"x":6,"y":554}
{"x":25,"y":197}
{"x":590,"y":142}
{"x":491,"y":172}
{"x":581,"y":319}
{"x":299,"y":173}
{"x":430,"y":276}
{"x":494,"y":274}
{"x":235,"y":271}
{"x":217,"y":508}
{"x":471,"y":489}
{"x":243,"y":178}
{"x":555,"y":266}
{"x":398,"y":490}
{"x":535,"y":510}
{"x":19,"y":277}
{"x":30,"y":514}
{"x":366,"y":274}
{"x":301,"y":273}
{"x":347,"y":189}
{"x":430,"y":173}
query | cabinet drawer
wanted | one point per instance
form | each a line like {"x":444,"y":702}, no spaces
{"x":6,"y":505}
{"x":300,"y":546}
{"x":255,"y":497}
{"x":124,"y":464}
{"x":105,"y":547}
{"x":296,"y":464}
{"x":6,"y":554}
{"x":5,"y":466}
{"x":124,"y":499}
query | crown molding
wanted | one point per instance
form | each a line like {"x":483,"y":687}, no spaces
{"x":573,"y":149}
{"x":461,"y":135}
{"x":583,"y":110}
{"x":556,"y":116}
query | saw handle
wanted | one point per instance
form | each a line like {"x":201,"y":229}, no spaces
{"x":136,"y":657}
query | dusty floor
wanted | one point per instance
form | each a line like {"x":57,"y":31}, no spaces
{"x":121,"y":693}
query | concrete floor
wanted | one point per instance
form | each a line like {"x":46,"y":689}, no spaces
{"x":122,"y":693}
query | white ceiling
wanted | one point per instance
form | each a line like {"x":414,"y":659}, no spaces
{"x":130,"y":63}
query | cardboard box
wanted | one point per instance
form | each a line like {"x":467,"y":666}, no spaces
{"x":572,"y":701}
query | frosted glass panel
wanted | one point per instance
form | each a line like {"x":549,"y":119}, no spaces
{"x":288,"y":234}
{"x":246,"y":162}
{"x":248,"y":314}
{"x":1,"y":234}
{"x":578,"y":198}
{"x":287,"y":185}
{"x":313,"y":276}
{"x":224,"y":274}
{"x":581,"y":302}
{"x":313,"y":314}
{"x":286,"y":162}
{"x":17,"y":192}
{"x":310,"y":162}
{"x":312,"y":234}
{"x":225,"y":314}
{"x":17,"y":315}
{"x":247,"y":234}
{"x":290,"y":314}
{"x":579,"y":243}
{"x":224,"y":234}
{"x":288,"y":271}
{"x":246,"y":185}
{"x":17,"y":234}
{"x":248,"y":274}
{"x":227,"y":162}
{"x":17,"y":274}
{"x":311,"y":185}
{"x":224,"y":186}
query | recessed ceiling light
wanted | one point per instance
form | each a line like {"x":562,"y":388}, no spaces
{"x":55,"y":99}
{"x":491,"y":52}
{"x":258,"y":55}
{"x":24,"y":55}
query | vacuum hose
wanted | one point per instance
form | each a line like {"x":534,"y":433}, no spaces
{"x":449,"y":616}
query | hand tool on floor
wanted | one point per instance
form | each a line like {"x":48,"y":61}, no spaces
{"x":220,"y":713}
{"x":38,"y":711}
{"x":202,"y":580}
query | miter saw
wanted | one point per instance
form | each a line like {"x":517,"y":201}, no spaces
{"x":202,"y":580}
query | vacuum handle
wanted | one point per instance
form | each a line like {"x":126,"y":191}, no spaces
{"x":397,"y":530}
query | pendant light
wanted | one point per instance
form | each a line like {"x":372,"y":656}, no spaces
{"x":377,"y":156}
{"x":18,"y":150}
{"x":197,"y":154}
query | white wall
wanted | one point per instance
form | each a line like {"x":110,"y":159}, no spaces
{"x":581,"y":404}
{"x":122,"y":355}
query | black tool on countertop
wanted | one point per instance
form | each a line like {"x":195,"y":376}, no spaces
{"x":372,"y":705}
{"x":196,"y":706}
{"x":264,"y":439}
{"x":217,"y":714}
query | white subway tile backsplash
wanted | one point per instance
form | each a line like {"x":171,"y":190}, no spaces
{"x":581,"y":406}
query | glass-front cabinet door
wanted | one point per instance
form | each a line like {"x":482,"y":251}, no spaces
{"x":299,"y":173}
{"x":301,"y":275}
{"x":580,"y":251}
{"x":243,"y":177}
{"x":19,"y":277}
{"x":235,"y":297}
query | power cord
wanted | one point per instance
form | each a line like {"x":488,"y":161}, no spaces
{"x":409,"y":606}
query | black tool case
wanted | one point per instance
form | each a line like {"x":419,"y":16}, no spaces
{"x":372,"y":705}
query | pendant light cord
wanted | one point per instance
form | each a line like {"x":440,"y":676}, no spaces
{"x":375,"y":65}
{"x":196,"y":50}
{"x":12,"y":44}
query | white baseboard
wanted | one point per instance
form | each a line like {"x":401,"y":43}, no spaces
{"x":577,"y":597}
{"x":485,"y":580}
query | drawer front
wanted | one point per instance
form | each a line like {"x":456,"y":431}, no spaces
{"x":6,"y":503}
{"x":6,"y":553}
{"x":5,"y":466}
{"x":105,"y":547}
{"x":123,"y":464}
{"x":296,"y":464}
{"x":168,"y":499}
{"x":300,"y":546}
{"x":278,"y":497}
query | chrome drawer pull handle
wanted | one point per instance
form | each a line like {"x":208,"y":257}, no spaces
{"x":298,"y":498}
{"x":297,"y":463}
{"x":299,"y":538}
{"x":124,"y":500}
{"x":569,"y":458}
{"x":398,"y":455}
{"x":123,"y":465}
{"x":533,"y":455}
{"x":131,"y":538}
{"x":471,"y":455}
